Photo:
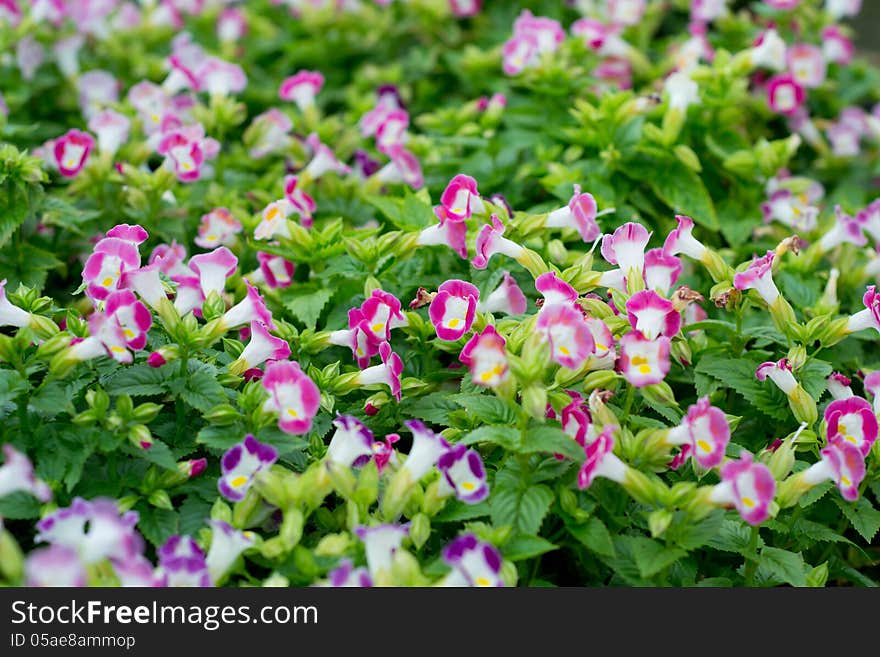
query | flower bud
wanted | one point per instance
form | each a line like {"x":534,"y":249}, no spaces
{"x":803,"y":405}
{"x":139,"y":436}
{"x":534,"y":401}
{"x":658,"y":522}
{"x":292,"y":527}
{"x":220,"y":510}
{"x":420,"y":530}
{"x":797,"y":356}
{"x":11,"y":558}
{"x":333,"y":545}
{"x":223,"y":415}
{"x":600,"y":380}
{"x":161,"y":500}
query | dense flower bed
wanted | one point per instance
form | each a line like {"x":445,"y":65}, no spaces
{"x":436,"y":292}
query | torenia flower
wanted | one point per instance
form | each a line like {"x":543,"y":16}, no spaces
{"x":580,"y":214}
{"x":227,"y":544}
{"x":169,"y":258}
{"x":352,"y":443}
{"x":841,"y":462}
{"x":747,"y":485}
{"x":836,"y":46}
{"x":147,"y":283}
{"x":292,"y":394}
{"x":323,"y":160}
{"x":626,"y":247}
{"x":270,"y":130}
{"x":231,"y":25}
{"x":17,"y":474}
{"x":404,"y":167}
{"x":554,"y":290}
{"x":486,"y":357}
{"x":427,"y":448}
{"x":601,"y":461}
{"x":491,"y":240}
{"x":214,"y":268}
{"x":806,"y":64}
{"x":706,"y":11}
{"x":802,"y":404}
{"x":263,"y":346}
{"x":94,"y":529}
{"x":276,"y":270}
{"x":838,"y":9}
{"x":301,"y":202}
{"x":388,"y":372}
{"x":661,"y":270}
{"x":55,"y":565}
{"x":644,"y":362}
{"x":221,"y":78}
{"x":603,"y":341}
{"x":274,"y":220}
{"x":706,"y":430}
{"x":112,"y":130}
{"x":452,"y":310}
{"x":569,"y":337}
{"x":846,"y":229}
{"x":473,"y":562}
{"x":869,"y":317}
{"x":241,"y":464}
{"x":302,"y":88}
{"x":625,"y":12}
{"x":461,"y":198}
{"x":359,"y":338}
{"x":872,"y":387}
{"x":217,"y":228}
{"x":682,"y":91}
{"x":576,"y":420}
{"x":791,"y":209}
{"x":784,"y":94}
{"x":853,"y":420}
{"x":71,"y":152}
{"x":507,"y":298}
{"x":519,"y":53}
{"x":186,"y":148}
{"x":839,"y":386}
{"x":10,"y":314}
{"x":652,"y":315}
{"x":451,"y":232}
{"x":182,"y":563}
{"x":346,"y":575}
{"x":382,"y":311}
{"x":463,"y":474}
{"x":132,"y":316}
{"x":380,"y":544}
{"x":759,"y":277}
{"x":392,"y":130}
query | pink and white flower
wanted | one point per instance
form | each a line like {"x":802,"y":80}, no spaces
{"x":625,"y":12}
{"x":388,"y":373}
{"x":217,"y":228}
{"x":352,"y":443}
{"x":759,"y":277}
{"x":186,"y":149}
{"x":601,"y":460}
{"x":71,"y":151}
{"x":382,"y":311}
{"x":273,"y":222}
{"x":231,"y":25}
{"x":251,"y":308}
{"x":705,"y":430}
{"x":110,"y":258}
{"x":112,"y":130}
{"x":241,"y":464}
{"x":55,"y":565}
{"x":302,"y":88}
{"x":644,"y":362}
{"x":427,"y":448}
{"x":661,"y":270}
{"x":838,"y":9}
{"x":301,"y":202}
{"x":791,"y":209}
{"x":626,"y":247}
{"x":806,"y":64}
{"x":404,"y":168}
{"x":132,"y":316}
{"x":747,"y":485}
{"x":555,"y":290}
{"x":836,"y":46}
{"x":213,"y":269}
{"x":872,"y":387}
{"x":359,"y":338}
{"x":846,"y":229}
{"x":569,"y":337}
{"x":491,"y":240}
{"x":465,"y":8}
{"x":17,"y":474}
{"x":449,"y":232}
{"x":276,"y":270}
{"x":227,"y":544}
{"x":841,"y":462}
{"x":652,"y":315}
{"x":453,"y":309}
{"x":869,"y":317}
{"x":461,"y":198}
{"x":853,"y":419}
{"x":507,"y":298}
{"x":388,"y":100}
{"x":839,"y":386}
{"x":323,"y":160}
{"x":292,"y":394}
{"x":218,"y":77}
{"x":486,"y":357}
{"x":580,"y":214}
{"x":784,"y":94}
{"x":262,"y":346}
{"x":779,"y":373}
{"x":10,"y":314}
{"x":392,"y":131}
{"x":271,"y":130}
{"x":706,"y":11}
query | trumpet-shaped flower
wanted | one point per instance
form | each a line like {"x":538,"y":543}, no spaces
{"x":806,"y":64}
{"x":112,"y":129}
{"x":652,"y":315}
{"x":644,"y":362}
{"x":382,"y":311}
{"x":387,"y":373}
{"x":626,"y":247}
{"x":427,"y":448}
{"x":473,"y":562}
{"x":791,"y":209}
{"x":491,"y":240}
{"x":241,"y":464}
{"x":464,"y":474}
{"x":601,"y":460}
{"x":380,"y":544}
{"x":56,"y":565}
{"x":580,"y":214}
{"x":853,"y":420}
{"x":300,"y":201}
{"x":747,"y":485}
{"x":132,"y":316}
{"x":217,"y":228}
{"x":555,"y":291}
{"x":323,"y":160}
{"x":569,"y":337}
{"x":359,"y":338}
{"x":449,"y":232}
{"x":214,"y":268}
{"x":869,"y":317}
{"x":841,"y":462}
{"x":276,"y":270}
{"x":846,"y":229}
{"x":227,"y":544}
{"x":262,"y":346}
{"x":352,"y":443}
{"x":292,"y":394}
{"x":271,"y":133}
{"x":392,"y":131}
{"x":759,"y":277}
{"x":182,"y":563}
{"x":507,"y":298}
{"x":784,"y":94}
{"x":346,"y":575}
{"x":839,"y":386}
{"x":404,"y":167}
{"x":486,"y":357}
{"x":705,"y":430}
{"x":453,"y":309}
{"x":461,"y":198}
{"x":836,"y":46}
{"x":778,"y":372}
{"x":17,"y":474}
{"x":301,"y":88}
{"x":661,"y":270}
{"x":71,"y":152}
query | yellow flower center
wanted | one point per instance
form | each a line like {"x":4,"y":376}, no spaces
{"x":107,"y":282}
{"x":703,"y":445}
{"x":292,"y":413}
{"x":748,"y":501}
{"x":453,"y":323}
{"x":239,"y":481}
{"x":642,"y":364}
{"x":468,"y":485}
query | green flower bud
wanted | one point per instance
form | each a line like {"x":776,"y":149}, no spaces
{"x":139,"y":436}
{"x":534,"y":401}
{"x":223,"y":415}
{"x":11,"y":559}
{"x":333,"y":545}
{"x":803,"y":405}
{"x":220,"y":510}
{"x":420,"y":530}
{"x":292,"y":527}
{"x":658,"y":522}
{"x":160,"y":499}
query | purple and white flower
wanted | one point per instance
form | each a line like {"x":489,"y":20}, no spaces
{"x":241,"y":464}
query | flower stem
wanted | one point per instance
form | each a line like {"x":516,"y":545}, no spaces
{"x":752,"y":557}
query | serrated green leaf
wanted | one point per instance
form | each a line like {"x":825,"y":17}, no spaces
{"x":305,"y":303}
{"x":156,"y":524}
{"x":202,"y":391}
{"x":433,"y":408}
{"x":595,"y":536}
{"x":553,"y":440}
{"x":862,"y":515}
{"x":160,"y":454}
{"x":512,"y":503}
{"x":732,"y":536}
{"x":456,"y":511}
{"x":486,"y":408}
{"x":526,"y":546}
{"x":783,"y":565}
{"x":138,"y":380}
{"x":652,"y":556}
{"x":194,"y":515}
{"x":19,"y":505}
{"x":506,"y":437}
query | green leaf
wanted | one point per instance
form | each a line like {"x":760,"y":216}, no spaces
{"x":506,"y":437}
{"x":157,"y":525}
{"x":160,"y":454}
{"x":732,"y":536}
{"x":11,"y":386}
{"x":456,"y":511}
{"x":815,"y":494}
{"x":487,"y":408}
{"x":595,"y":536}
{"x":783,"y":565}
{"x":138,"y":380}
{"x":861,"y":514}
{"x":525,"y":546}
{"x":739,"y":375}
{"x":652,"y":556}
{"x":19,"y":505}
{"x":680,"y":188}
{"x":513,"y":503}
{"x":306,"y":303}
{"x":51,"y":400}
{"x":220,"y":438}
{"x":434,"y":408}
{"x":194,"y":515}
{"x":202,"y":391}
{"x":690,"y":535}
{"x":553,"y":440}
